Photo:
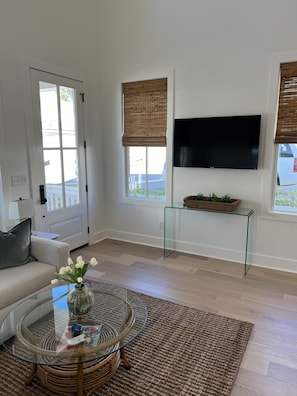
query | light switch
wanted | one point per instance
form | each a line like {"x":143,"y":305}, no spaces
{"x":20,"y":180}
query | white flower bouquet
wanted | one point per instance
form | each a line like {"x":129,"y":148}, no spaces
{"x":74,"y":272}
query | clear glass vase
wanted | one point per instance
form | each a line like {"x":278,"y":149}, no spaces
{"x":80,"y":299}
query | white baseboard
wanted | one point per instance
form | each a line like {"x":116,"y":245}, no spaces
{"x":141,"y":239}
{"x":255,"y":259}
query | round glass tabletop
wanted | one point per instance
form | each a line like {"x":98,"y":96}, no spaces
{"x":45,"y":330}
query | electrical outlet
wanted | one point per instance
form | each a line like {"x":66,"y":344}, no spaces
{"x":161,"y":226}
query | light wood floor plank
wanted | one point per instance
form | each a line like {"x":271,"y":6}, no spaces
{"x":264,"y":297}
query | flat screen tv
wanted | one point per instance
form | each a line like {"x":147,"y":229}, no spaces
{"x":217,"y":142}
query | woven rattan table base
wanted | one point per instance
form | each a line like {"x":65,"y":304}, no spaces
{"x":65,"y":379}
{"x":79,"y":378}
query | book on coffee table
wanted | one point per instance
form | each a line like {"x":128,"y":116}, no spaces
{"x":88,"y":338}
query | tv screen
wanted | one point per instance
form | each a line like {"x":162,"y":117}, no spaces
{"x":217,"y":142}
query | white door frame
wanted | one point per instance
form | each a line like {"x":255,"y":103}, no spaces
{"x":34,"y":156}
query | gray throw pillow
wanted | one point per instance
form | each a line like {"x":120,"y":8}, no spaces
{"x":15,"y":245}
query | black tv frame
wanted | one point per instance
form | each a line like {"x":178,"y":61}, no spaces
{"x":230,"y":142}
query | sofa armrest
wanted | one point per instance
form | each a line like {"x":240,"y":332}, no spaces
{"x":50,"y":251}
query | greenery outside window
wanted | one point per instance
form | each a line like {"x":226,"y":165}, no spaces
{"x":145,"y":138}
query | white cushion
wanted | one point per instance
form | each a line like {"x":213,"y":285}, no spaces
{"x":19,"y":282}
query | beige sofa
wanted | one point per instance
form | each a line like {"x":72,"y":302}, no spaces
{"x":19,"y":282}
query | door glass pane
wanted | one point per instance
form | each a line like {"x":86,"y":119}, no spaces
{"x":59,"y":139}
{"x":53,"y":179}
{"x":71,"y":177}
{"x":68,"y":116}
{"x":49,"y":114}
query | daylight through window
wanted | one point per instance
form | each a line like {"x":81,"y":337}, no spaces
{"x":285,"y":199}
{"x":144,"y":136}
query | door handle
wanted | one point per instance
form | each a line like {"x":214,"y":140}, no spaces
{"x":43,"y":199}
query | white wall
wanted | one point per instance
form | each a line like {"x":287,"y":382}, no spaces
{"x":220,"y":51}
{"x":221,"y":54}
{"x":61,"y":35}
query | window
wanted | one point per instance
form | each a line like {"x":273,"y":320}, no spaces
{"x":59,"y":142}
{"x":144,"y":138}
{"x":285,"y":199}
{"x":146,"y":172}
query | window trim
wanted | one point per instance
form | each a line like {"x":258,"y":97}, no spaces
{"x":271,"y":149}
{"x":169,"y":74}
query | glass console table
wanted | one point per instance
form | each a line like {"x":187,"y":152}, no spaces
{"x":170,"y":213}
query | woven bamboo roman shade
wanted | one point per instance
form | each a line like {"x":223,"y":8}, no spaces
{"x":145,"y":113}
{"x":286,"y":129}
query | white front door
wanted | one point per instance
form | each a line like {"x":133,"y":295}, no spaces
{"x":57,"y":158}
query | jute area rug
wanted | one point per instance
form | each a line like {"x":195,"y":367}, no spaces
{"x":181,"y":352}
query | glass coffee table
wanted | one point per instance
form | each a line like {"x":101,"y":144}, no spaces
{"x":46,"y":331}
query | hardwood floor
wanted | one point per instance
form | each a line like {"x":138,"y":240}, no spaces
{"x":264,"y":297}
